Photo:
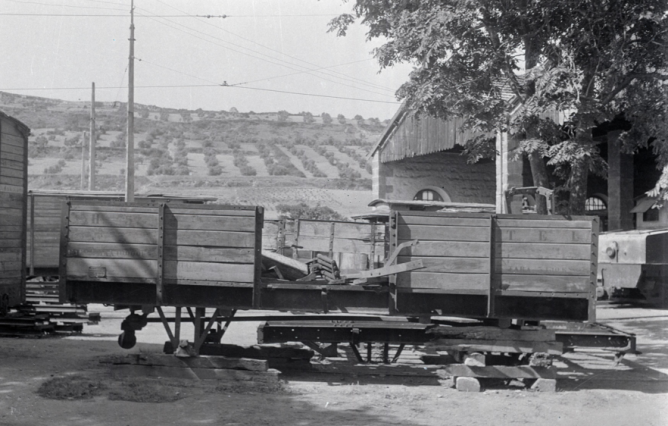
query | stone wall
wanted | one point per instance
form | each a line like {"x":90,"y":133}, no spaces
{"x":466,"y":183}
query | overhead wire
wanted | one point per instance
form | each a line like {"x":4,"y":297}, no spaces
{"x":65,"y":5}
{"x":270,"y":60}
{"x":199,"y":85}
{"x":329,"y":73}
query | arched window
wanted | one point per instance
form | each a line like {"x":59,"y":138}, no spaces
{"x":428,"y":195}
{"x":595,"y":203}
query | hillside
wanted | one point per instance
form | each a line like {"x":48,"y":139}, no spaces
{"x":265,"y":158}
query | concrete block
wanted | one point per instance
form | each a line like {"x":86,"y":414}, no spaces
{"x":467,"y":384}
{"x":545,"y":385}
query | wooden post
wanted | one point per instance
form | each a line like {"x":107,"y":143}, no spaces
{"x":130,"y":161}
{"x":91,"y":149}
{"x":83,"y":162}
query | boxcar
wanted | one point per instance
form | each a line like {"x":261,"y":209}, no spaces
{"x":44,"y":217}
{"x":13,"y":194}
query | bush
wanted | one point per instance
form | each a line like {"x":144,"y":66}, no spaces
{"x":216,"y":170}
{"x":304,"y":211}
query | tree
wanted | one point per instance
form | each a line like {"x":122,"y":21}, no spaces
{"x":283,"y":115}
{"x":308,"y":117}
{"x":341,"y":119}
{"x":326,"y":118}
{"x":592,"y":61}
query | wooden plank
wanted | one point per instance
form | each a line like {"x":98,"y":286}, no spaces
{"x":441,"y":220}
{"x":542,"y":251}
{"x":450,"y":264}
{"x":13,"y":139}
{"x":498,"y":372}
{"x":209,"y":238}
{"x":543,"y":235}
{"x":443,"y":233}
{"x":13,"y":189}
{"x":6,"y":220}
{"x":9,"y":211}
{"x":80,"y":207}
{"x":121,"y":220}
{"x":209,"y":254}
{"x":208,"y":211}
{"x":5,"y":180}
{"x":6,"y":266}
{"x":11,"y":204}
{"x":41,"y":212}
{"x":543,"y":283}
{"x":444,"y":281}
{"x":10,"y":277}
{"x":11,"y":228}
{"x":47,"y":228}
{"x":6,"y":148}
{"x":108,"y":269}
{"x":537,"y":223}
{"x":509,"y":346}
{"x":10,"y":235}
{"x":160,"y":360}
{"x":18,"y":242}
{"x":11,"y":164}
{"x":209,"y":271}
{"x":47,"y":219}
{"x":11,"y":173}
{"x":7,"y":196}
{"x":12,"y":156}
{"x":447,"y":249}
{"x":543,"y":267}
{"x":209,"y":222}
{"x":113,"y":235}
{"x":359,"y":231}
{"x":112,"y":251}
{"x":340,"y":245}
{"x":8,"y":253}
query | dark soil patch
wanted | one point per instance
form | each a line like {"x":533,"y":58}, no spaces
{"x":72,"y":387}
{"x":145,"y":392}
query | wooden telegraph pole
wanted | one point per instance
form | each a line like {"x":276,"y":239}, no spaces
{"x":130,"y":163}
{"x":83,"y":162}
{"x":91,"y":148}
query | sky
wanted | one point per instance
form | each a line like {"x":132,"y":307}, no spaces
{"x":57,"y":48}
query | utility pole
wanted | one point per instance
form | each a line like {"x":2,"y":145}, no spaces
{"x":91,"y":149}
{"x":130,"y":163}
{"x":83,"y":162}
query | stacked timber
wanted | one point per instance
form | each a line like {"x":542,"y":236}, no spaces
{"x":242,"y":371}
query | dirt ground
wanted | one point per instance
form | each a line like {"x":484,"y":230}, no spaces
{"x":591,"y":390}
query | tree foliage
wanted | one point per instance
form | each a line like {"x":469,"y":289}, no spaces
{"x":589,"y":62}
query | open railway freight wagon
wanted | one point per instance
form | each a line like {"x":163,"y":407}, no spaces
{"x":13,"y":188}
{"x":44,"y":215}
{"x":484,"y":266}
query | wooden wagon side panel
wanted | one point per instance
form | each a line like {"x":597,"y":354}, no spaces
{"x":453,"y":249}
{"x":43,"y":240}
{"x":497,"y":266}
{"x":160,"y":254}
{"x":111,"y":246}
{"x":548,"y":261}
{"x":13,"y":210}
{"x":211,"y":249}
